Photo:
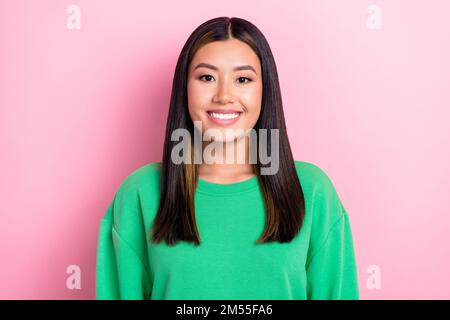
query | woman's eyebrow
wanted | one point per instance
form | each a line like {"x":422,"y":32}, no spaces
{"x":210,"y":66}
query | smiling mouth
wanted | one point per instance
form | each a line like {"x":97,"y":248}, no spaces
{"x":224,"y":116}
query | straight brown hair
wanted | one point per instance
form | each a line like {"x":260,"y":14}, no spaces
{"x":282,"y":193}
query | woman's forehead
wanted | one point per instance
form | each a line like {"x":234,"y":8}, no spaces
{"x":227,"y":54}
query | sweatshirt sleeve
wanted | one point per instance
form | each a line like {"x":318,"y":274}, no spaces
{"x":121,"y":267}
{"x":331,"y":270}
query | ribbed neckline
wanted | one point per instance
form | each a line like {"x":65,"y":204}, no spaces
{"x":207,"y":187}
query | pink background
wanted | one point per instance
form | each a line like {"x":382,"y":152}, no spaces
{"x":81,"y":109}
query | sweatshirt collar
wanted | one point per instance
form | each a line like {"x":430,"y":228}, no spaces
{"x":208,"y":187}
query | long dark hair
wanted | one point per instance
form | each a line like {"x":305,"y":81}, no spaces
{"x":282,"y":192}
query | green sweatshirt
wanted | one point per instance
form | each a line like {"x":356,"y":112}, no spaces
{"x":318,"y":264}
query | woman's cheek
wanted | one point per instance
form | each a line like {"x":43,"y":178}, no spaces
{"x":253,"y":103}
{"x":194,"y":102}
{"x":199,"y":96}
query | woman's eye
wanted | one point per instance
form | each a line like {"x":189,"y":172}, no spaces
{"x":208,"y":77}
{"x":242,"y":79}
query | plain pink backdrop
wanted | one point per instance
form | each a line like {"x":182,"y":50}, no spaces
{"x":82,"y":109}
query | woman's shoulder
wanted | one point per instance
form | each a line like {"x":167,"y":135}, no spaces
{"x":139,"y":187}
{"x":319,"y":190}
{"x":312,"y":175}
{"x":143,"y":177}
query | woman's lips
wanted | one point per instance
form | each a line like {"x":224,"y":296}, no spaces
{"x":224,"y":122}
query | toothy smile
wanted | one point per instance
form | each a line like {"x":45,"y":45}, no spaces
{"x":224,"y":116}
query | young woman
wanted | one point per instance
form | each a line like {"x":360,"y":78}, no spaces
{"x":263,"y":226}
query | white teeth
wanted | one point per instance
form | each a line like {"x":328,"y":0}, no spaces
{"x":224,"y":116}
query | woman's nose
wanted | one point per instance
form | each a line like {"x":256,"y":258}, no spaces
{"x":224,"y":93}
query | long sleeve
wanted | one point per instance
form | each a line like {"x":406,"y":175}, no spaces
{"x":121,"y":268}
{"x":331,"y":270}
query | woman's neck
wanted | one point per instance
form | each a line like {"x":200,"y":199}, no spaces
{"x":232,"y":167}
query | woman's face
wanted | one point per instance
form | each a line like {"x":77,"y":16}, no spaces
{"x":224,"y":87}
